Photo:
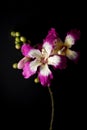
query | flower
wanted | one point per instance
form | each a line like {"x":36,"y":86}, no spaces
{"x":35,"y":58}
{"x":65,"y":48}
{"x":52,"y":52}
{"x":39,"y":59}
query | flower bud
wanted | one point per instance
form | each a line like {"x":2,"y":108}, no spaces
{"x":13,"y":33}
{"x":36,"y":80}
{"x":17,"y":46}
{"x":17,"y":34}
{"x":14,"y":66}
{"x":17,"y":39}
{"x":22,"y":39}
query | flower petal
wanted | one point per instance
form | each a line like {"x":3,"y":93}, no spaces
{"x":71,"y":37}
{"x":45,"y":75}
{"x":75,"y":34}
{"x":34,"y":53}
{"x":47,"y":47}
{"x":72,"y":55}
{"x":69,"y":41}
{"x":22,"y":62}
{"x":52,"y":36}
{"x":54,"y":60}
{"x":30,"y":68}
{"x":26,"y":71}
{"x":25,"y":49}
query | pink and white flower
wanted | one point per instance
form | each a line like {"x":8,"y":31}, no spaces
{"x":40,"y":60}
{"x":52,"y":52}
{"x":65,"y":48}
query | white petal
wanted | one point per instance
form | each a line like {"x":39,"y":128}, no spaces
{"x":45,"y":75}
{"x":34,"y":64}
{"x":34,"y":53}
{"x":54,"y":60}
{"x":71,"y":54}
{"x":44,"y":70}
{"x":69,"y":41}
{"x":47,"y":47}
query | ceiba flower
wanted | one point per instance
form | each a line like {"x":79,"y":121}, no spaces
{"x":65,"y":48}
{"x":39,"y":60}
{"x":35,"y":58}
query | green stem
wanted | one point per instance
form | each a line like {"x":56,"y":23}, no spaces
{"x":52,"y":112}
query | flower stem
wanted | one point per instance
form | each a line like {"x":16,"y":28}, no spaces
{"x":52,"y":112}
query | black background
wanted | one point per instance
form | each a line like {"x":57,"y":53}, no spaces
{"x":23,"y":103}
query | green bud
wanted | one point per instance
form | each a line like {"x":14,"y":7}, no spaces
{"x":36,"y":80}
{"x":22,"y":39}
{"x":14,"y":66}
{"x":16,"y":42}
{"x":17,"y":46}
{"x":13,"y":33}
{"x":17,"y":34}
{"x":17,"y":39}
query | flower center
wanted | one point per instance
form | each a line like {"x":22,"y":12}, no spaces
{"x":62,"y":50}
{"x":43,"y":60}
{"x":44,"y":57}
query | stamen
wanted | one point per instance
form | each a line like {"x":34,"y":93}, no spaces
{"x":44,"y":51}
{"x":62,"y":50}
